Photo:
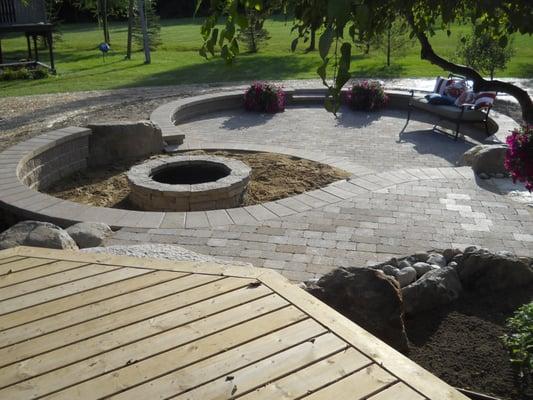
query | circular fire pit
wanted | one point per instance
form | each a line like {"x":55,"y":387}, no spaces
{"x":188,"y":183}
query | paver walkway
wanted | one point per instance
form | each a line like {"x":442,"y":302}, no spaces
{"x":409,"y":196}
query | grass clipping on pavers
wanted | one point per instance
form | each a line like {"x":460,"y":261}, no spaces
{"x":274,"y":176}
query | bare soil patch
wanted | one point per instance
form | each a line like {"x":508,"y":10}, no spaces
{"x":274,"y":176}
{"x":461,"y":344}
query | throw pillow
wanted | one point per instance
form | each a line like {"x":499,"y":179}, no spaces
{"x":439,"y":99}
{"x":484,"y":99}
{"x":467,"y":97}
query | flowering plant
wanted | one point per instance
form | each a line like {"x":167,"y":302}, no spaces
{"x":519,"y":157}
{"x":264,"y":97}
{"x":367,"y":96}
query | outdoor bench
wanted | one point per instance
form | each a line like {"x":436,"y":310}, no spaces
{"x":470,"y":113}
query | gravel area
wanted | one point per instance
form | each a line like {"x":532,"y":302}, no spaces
{"x":27,"y":116}
{"x":160,"y":251}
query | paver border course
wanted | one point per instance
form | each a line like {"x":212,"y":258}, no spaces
{"x":37,"y":163}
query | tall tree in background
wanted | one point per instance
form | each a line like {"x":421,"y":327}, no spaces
{"x":102,"y":10}
{"x":349,"y":21}
{"x":395,"y":40}
{"x":482,"y":52}
{"x":254,"y":34}
{"x":153,"y":25}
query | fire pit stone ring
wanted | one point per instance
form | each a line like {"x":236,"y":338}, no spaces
{"x":188,"y":183}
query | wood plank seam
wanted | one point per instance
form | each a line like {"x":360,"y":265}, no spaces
{"x":111,"y":370}
{"x":340,"y":337}
{"x":10,"y":259}
{"x":60,"y":284}
{"x":42,"y":276}
{"x":385,"y":387}
{"x":9,"y":271}
{"x":214,"y":354}
{"x":226,"y":373}
{"x":389,"y":359}
{"x":121,"y":309}
{"x":70,"y":294}
{"x":300,"y":367}
{"x":102,"y":299}
{"x":346,"y":377}
{"x":132,"y":323}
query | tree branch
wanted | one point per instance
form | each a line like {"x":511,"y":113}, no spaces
{"x":480,"y":84}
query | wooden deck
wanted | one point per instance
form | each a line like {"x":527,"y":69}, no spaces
{"x":77,"y":326}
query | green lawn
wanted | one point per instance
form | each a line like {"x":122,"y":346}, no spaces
{"x":80,"y":65}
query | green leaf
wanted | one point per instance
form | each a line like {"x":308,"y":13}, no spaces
{"x":324,"y":43}
{"x":343,"y":73}
{"x":321,"y":71}
{"x":294,"y":44}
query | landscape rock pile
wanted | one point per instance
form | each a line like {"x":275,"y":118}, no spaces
{"x":47,"y":235}
{"x":417,"y":283}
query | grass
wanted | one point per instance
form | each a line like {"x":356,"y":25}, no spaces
{"x":80,"y":65}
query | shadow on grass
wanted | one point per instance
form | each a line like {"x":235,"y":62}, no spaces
{"x":245,"y":68}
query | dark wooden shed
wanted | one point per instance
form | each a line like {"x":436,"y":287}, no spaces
{"x":28,"y":18}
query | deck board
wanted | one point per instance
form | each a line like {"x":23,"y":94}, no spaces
{"x":79,"y":326}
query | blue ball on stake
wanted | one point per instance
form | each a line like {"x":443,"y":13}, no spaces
{"x":104,"y":48}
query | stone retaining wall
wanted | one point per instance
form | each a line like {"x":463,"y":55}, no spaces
{"x":55,"y":161}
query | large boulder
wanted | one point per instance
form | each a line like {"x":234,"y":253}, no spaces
{"x":487,"y":159}
{"x":486,"y":272}
{"x":435,"y":288}
{"x":37,"y":234}
{"x":112,"y":142}
{"x":89,"y":234}
{"x":369,"y":298}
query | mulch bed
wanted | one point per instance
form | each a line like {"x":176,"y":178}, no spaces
{"x":460,"y":343}
{"x":274,"y":176}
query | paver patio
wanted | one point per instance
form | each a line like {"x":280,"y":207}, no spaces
{"x":408,"y":196}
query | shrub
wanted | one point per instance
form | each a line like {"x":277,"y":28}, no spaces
{"x":264,"y":97}
{"x":519,"y":341}
{"x":519,"y":157}
{"x":367,"y":96}
{"x":11,"y":74}
{"x":39,"y":73}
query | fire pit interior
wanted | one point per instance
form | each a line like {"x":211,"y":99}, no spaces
{"x":190,"y":174}
{"x":188,"y":183}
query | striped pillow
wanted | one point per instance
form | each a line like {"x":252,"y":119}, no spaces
{"x":439,"y":85}
{"x":484,"y":99}
{"x":449,"y":87}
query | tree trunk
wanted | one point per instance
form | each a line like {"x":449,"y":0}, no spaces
{"x":480,"y":84}
{"x":130,"y":28}
{"x":146,"y":44}
{"x":253,"y":48}
{"x":104,"y":22}
{"x":388,"y":46}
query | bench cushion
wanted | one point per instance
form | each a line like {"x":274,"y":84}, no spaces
{"x":449,"y":112}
